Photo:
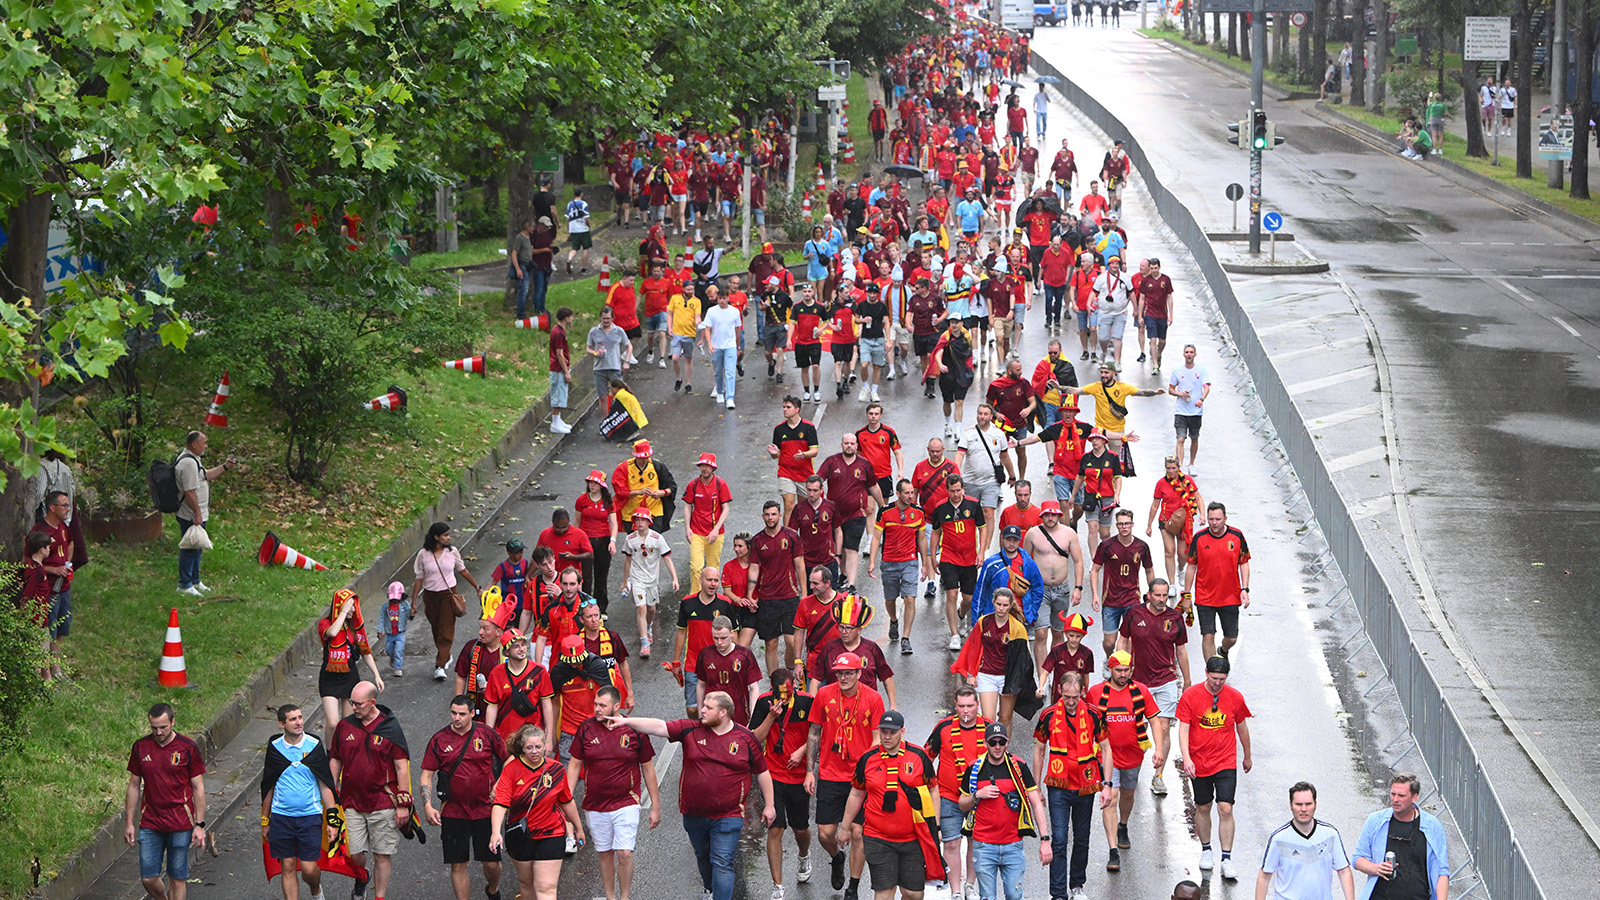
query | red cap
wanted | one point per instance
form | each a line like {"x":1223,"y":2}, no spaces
{"x":1097,"y":433}
{"x":707,"y":459}
{"x":1075,"y":622}
{"x":511,"y":636}
{"x":641,"y":449}
{"x":597,"y":476}
{"x":846,"y":661}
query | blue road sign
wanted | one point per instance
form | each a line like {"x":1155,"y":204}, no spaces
{"x":1272,"y":221}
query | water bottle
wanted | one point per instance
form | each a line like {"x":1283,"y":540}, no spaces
{"x":1389,"y":858}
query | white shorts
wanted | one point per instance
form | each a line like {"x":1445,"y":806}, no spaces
{"x":991,"y":684}
{"x":1166,"y":698}
{"x":644,"y":595}
{"x":615,"y":830}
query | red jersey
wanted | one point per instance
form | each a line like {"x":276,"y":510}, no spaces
{"x":816,"y":619}
{"x":900,"y":529}
{"x":594,"y":516}
{"x":732,"y":673}
{"x":928,"y":479}
{"x":624,"y":305}
{"x":775,"y":554}
{"x":815,"y":526}
{"x":658,"y":293}
{"x":994,"y":821}
{"x":1061,"y":660}
{"x":1099,"y":472}
{"x":848,"y":484}
{"x":736,"y":579}
{"x":1127,"y":713}
{"x":956,"y":747}
{"x":575,"y":540}
{"x":1038,"y":223}
{"x":717,"y":768}
{"x":790,"y":440}
{"x":368,"y":758}
{"x":1120,"y":564}
{"x":1010,"y":396}
{"x":958,"y":531}
{"x":560,"y":350}
{"x":1016,"y":119}
{"x":708,"y":501}
{"x":1213,"y":727}
{"x":786,"y":735}
{"x":1216,"y":562}
{"x":877,"y":774}
{"x":533,"y":684}
{"x":874,"y":669}
{"x":849,"y":728}
{"x":695,"y":617}
{"x":612,"y":759}
{"x":471,"y":759}
{"x":168,"y":800}
{"x":534,"y":795}
{"x":1022,"y":518}
{"x":808,"y":324}
{"x":1155,"y":639}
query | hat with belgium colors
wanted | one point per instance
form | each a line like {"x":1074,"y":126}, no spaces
{"x":1075,"y":622}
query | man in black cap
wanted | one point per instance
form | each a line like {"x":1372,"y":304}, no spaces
{"x":993,"y":791}
{"x":1211,"y":731}
{"x":893,"y":787}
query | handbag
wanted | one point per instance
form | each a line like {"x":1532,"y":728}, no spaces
{"x":999,"y":470}
{"x":1174,"y":523}
{"x":195,"y":538}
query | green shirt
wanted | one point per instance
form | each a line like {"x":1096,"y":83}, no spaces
{"x":1435,"y":111}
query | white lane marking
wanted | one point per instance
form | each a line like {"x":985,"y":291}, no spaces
{"x":663,"y":769}
{"x":1340,"y":344}
{"x":1331,"y":380}
{"x":1358,"y":458}
{"x":822,"y":408}
{"x":1288,"y":298}
{"x":1301,"y":323}
{"x":1349,"y":415}
{"x":1563,"y":323}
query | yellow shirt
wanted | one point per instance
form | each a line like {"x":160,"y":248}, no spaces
{"x":684,"y":310}
{"x":1118,"y":392}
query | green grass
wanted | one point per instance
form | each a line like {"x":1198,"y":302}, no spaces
{"x":382,"y":479}
{"x":471,"y":252}
{"x":1243,"y":65}
{"x":1455,"y":150}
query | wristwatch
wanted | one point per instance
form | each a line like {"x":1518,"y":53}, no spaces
{"x":200,"y":824}
{"x":1044,"y":838}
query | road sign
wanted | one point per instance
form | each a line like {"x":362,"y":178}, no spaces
{"x":1298,"y":20}
{"x":1272,"y":221}
{"x":830,"y":92}
{"x":1487,"y":39}
{"x":1405,"y":45}
{"x":1235,"y":191}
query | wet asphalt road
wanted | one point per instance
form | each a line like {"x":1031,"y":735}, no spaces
{"x":1302,"y":729}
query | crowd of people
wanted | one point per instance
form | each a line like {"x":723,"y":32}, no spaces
{"x":547,"y":750}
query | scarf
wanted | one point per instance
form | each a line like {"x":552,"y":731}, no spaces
{"x":1187,"y":491}
{"x":1139,"y":708}
{"x":1074,"y":754}
{"x":1014,"y":798}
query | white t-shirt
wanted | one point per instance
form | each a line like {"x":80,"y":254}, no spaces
{"x":977,"y":470}
{"x":1041,"y":103}
{"x":1301,"y":865}
{"x":1113,"y":292}
{"x":646,"y":553}
{"x":723,"y":325}
{"x":577,"y":216}
{"x":1192,"y":380}
{"x":1508,"y":97}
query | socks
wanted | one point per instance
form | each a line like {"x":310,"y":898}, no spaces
{"x":1227,"y":854}
{"x":853,"y":887}
{"x":1205,"y":846}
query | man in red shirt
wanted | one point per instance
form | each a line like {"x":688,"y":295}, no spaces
{"x":167,"y":788}
{"x":1003,"y":798}
{"x":696,"y":613}
{"x":851,"y":481}
{"x":1218,"y":580}
{"x":705,"y":527}
{"x":809,"y":314}
{"x":1013,"y":400}
{"x":892,"y":786}
{"x":1037,"y":222}
{"x":818,"y":522}
{"x":372,"y":767}
{"x":1055,"y":268}
{"x":956,"y":523}
{"x":560,"y":369}
{"x":904,"y":559}
{"x":853,"y":613}
{"x":519,"y":690}
{"x":878,"y":443}
{"x":1028,"y":167}
{"x":956,"y":742}
{"x":1064,"y":169}
{"x":844,"y":716}
{"x":794,"y":446}
{"x":658,"y":291}
{"x":815,"y":626}
{"x":1157,"y":638}
{"x":1114,"y":580}
{"x":1127,"y":709}
{"x":1155,"y":304}
{"x":781,"y":720}
{"x":720,"y":760}
{"x":1211,"y":733}
{"x":1070,"y":749}
{"x":617,"y":766}
{"x":624,"y":305}
{"x":1024,"y":513}
{"x":725,"y":666}
{"x":570,"y":545}
{"x":777,"y":570}
{"x":469,"y":752}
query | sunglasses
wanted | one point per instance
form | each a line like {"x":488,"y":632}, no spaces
{"x":997,"y":742}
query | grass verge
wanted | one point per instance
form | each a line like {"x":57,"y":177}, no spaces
{"x":471,"y":252}
{"x":70,"y":772}
{"x":1243,"y":65}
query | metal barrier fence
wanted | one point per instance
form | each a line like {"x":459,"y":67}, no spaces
{"x":1479,"y":812}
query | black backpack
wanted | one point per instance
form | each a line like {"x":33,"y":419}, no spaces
{"x":163,"y":481}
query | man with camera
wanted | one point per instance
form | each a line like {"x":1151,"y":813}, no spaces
{"x":461,"y":764}
{"x":985,"y":461}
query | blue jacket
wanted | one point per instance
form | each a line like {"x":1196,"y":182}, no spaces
{"x":1374,"y":841}
{"x":996,"y":573}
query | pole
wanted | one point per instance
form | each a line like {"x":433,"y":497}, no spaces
{"x":833,"y":137}
{"x":1235,"y":215}
{"x":1558,"y":84}
{"x":794,"y":147}
{"x":1272,"y":241}
{"x":1258,"y":53}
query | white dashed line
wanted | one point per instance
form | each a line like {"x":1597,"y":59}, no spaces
{"x":1331,"y":380}
{"x":1340,"y":344}
{"x":1359,"y":458}
{"x":1563,"y":323}
{"x":1349,"y":415}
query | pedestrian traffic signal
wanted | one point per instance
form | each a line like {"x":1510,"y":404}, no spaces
{"x":1260,"y":131}
{"x":1236,"y":129}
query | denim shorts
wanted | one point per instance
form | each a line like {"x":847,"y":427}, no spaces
{"x":656,"y":322}
{"x":174,"y":845}
{"x":874,"y":351}
{"x":950,"y":817}
{"x":1087,"y":319}
{"x":1065,"y":492}
{"x":727,"y":208}
{"x":1111,"y":618}
{"x":900,"y":579}
{"x":558,"y":391}
{"x":758,"y":216}
{"x":690,"y":698}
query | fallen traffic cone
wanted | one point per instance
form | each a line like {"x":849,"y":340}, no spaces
{"x":173,"y":672}
{"x":394,"y":400}
{"x":274,"y":552}
{"x":605,"y":273}
{"x":472,"y":365}
{"x":215,"y":417}
{"x":541,"y":322}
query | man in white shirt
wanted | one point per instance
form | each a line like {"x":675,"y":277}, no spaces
{"x":1041,"y":109}
{"x":1190,"y":385}
{"x":1305,"y":855}
{"x":980,"y":451}
{"x":1112,"y":290}
{"x":720,"y":335}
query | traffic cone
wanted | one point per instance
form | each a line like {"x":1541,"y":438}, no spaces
{"x":472,"y":365}
{"x":849,"y":150}
{"x":821,"y":180}
{"x":805,"y":207}
{"x":605,"y":273}
{"x":688,"y":246}
{"x":215,"y":417}
{"x":394,"y":400}
{"x":541,"y":322}
{"x":174,"y":673}
{"x":274,"y":552}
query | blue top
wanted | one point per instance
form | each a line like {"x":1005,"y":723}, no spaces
{"x":297,"y":792}
{"x":996,"y":573}
{"x":1374,"y":841}
{"x":970,"y":214}
{"x":818,"y":254}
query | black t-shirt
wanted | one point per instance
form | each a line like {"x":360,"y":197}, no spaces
{"x":544,"y":204}
{"x":856,"y":210}
{"x":1410,"y":848}
{"x":874,"y":311}
{"x":778,"y":306}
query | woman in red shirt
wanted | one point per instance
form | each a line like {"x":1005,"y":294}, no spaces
{"x":344,"y":637}
{"x":984,"y":655}
{"x":531,"y":798}
{"x":736,"y":586}
{"x":597,"y":517}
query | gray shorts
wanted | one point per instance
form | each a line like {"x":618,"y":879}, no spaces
{"x":681,"y":345}
{"x":1166,"y":698}
{"x":900,"y":579}
{"x":1057,"y":602}
{"x":987,"y":495}
{"x":1126,"y":779}
{"x":874,"y":351}
{"x":1111,"y":326}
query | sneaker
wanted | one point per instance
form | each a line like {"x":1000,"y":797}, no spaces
{"x":438,"y":673}
{"x":1205,"y":860}
{"x":705,"y":895}
{"x":677,"y":385}
{"x":875,"y":392}
{"x":1140,"y":359}
{"x":1114,"y":861}
{"x":894,"y":630}
{"x":1122,"y":836}
{"x":740,"y":368}
{"x":318,"y":896}
{"x":905,"y":646}
{"x":399,"y":672}
{"x":688,"y":389}
{"x":836,"y":875}
{"x":890,"y":376}
{"x":955,"y":643}
{"x":1078,"y":893}
{"x":930,"y":591}
{"x":1189,"y":471}
{"x":771,"y":370}
{"x":1085,"y":355}
{"x":729,"y":404}
{"x":1228,"y":873}
{"x":970,"y":890}
{"x":201,"y":586}
{"x":716,"y":396}
{"x":780,"y":378}
{"x":644,"y":649}
{"x":559,"y":427}
{"x":865,"y":390}
{"x":359,"y":892}
{"x":777,"y":892}
{"x":191,"y":591}
{"x":803,"y":874}
{"x":661,"y":363}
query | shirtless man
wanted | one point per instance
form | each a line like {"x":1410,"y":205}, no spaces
{"x":1054,"y":548}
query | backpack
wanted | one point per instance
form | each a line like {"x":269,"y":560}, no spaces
{"x":163,"y":481}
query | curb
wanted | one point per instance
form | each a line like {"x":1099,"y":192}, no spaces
{"x":1306,"y":268}
{"x":1284,"y":236}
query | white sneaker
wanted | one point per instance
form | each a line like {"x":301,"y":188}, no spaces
{"x":201,"y":586}
{"x":1205,"y":860}
{"x":729,"y":404}
{"x":705,"y":895}
{"x":559,"y":427}
{"x":716,"y":396}
{"x":875,"y":392}
{"x":955,"y":642}
{"x":1078,"y":893}
{"x":890,"y":376}
{"x":438,"y":673}
{"x":191,"y":591}
{"x":661,"y":363}
{"x":803,"y":874}
{"x":1227,"y":869}
{"x":970,"y":890}
{"x":865,"y":390}
{"x":1189,"y":471}
{"x":777,"y":892}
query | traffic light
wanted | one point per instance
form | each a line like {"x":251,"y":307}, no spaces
{"x":1235,"y":130}
{"x":1260,"y":131}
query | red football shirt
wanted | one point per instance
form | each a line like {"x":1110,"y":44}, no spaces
{"x":1060,"y":660}
{"x":534,"y":681}
{"x":695,"y":617}
{"x":1122,"y":721}
{"x":717,"y":768}
{"x":1022,"y":518}
{"x":958,"y":529}
{"x":707,"y":501}
{"x":472,"y":757}
{"x":368,"y":759}
{"x":994,"y":821}
{"x":167,"y":803}
{"x":1155,"y":638}
{"x":545,"y":786}
{"x":1213,"y":727}
{"x":611,"y":759}
{"x":929,"y":482}
{"x":624,"y":305}
{"x":875,"y":666}
{"x":787,"y":735}
{"x":876,"y":446}
{"x":847,"y":484}
{"x":957,"y":748}
{"x":576,"y":540}
{"x":775,"y":554}
{"x":816,"y":619}
{"x":594,"y":516}
{"x":1120,"y":566}
{"x":732,"y":673}
{"x":792,"y":439}
{"x":1216,"y":561}
{"x":814,"y":525}
{"x":849,"y":728}
{"x":876,"y":774}
{"x":900,"y":528}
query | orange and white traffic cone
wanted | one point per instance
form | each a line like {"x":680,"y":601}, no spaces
{"x":541,"y":322}
{"x":174,"y":673}
{"x":394,"y":400}
{"x":274,"y":552}
{"x":472,"y":365}
{"x":821,"y":181}
{"x":605,"y":273}
{"x":805,"y":207}
{"x":849,"y":150}
{"x":215,"y":417}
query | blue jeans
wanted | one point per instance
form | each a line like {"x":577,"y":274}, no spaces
{"x":725,"y":366}
{"x":714,"y":842}
{"x":1069,"y":815}
{"x":1003,"y":861}
{"x":188,"y":560}
{"x":1052,"y":302}
{"x":522,"y":290}
{"x":174,"y":845}
{"x":1040,"y":118}
{"x":541,"y":287}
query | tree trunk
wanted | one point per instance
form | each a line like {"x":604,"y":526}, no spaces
{"x":521,"y":181}
{"x":22,"y":269}
{"x":1233,"y":34}
{"x":1582,"y":52}
{"x":1380,"y":55}
{"x":1522,"y":23}
{"x":1310,"y":66}
{"x":1319,"y":41}
{"x":1245,"y":46}
{"x":1358,"y":53}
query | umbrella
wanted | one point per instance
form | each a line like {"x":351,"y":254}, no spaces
{"x":1049,"y":79}
{"x":1048,"y":203}
{"x":1011,"y":83}
{"x":903,"y":171}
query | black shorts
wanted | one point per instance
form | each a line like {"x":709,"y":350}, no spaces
{"x":633,"y":333}
{"x":294,"y":837}
{"x":743,"y":617}
{"x":877,"y":134}
{"x":952,"y":575}
{"x":1209,"y":616}
{"x":950,"y":389}
{"x":467,"y":837}
{"x":923,"y":344}
{"x":1219,"y":786}
{"x":843,"y":353}
{"x":807,"y":355}
{"x":522,"y":848}
{"x":886,"y":488}
{"x":337,"y":684}
{"x":853,"y":529}
{"x":775,"y":617}
{"x":700,"y":206}
{"x":980,"y":322}
{"x":621,"y":196}
{"x":895,"y":864}
{"x":792,"y":805}
{"x":831,"y":797}
{"x":1186,"y":426}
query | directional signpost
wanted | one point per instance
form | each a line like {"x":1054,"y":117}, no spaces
{"x":1235,"y":192}
{"x":1488,"y":39}
{"x":1272,"y":222}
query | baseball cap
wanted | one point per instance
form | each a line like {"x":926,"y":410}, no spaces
{"x":892,"y":719}
{"x":1218,"y":664}
{"x":396,"y":590}
{"x":1120,"y":658}
{"x":1050,"y":508}
{"x":707,"y":459}
{"x":515,"y":545}
{"x":1075,"y":622}
{"x":1110,"y":364}
{"x":773,"y":280}
{"x":1011,"y":531}
{"x":995,"y":730}
{"x":846,"y":661}
{"x":641,"y":449}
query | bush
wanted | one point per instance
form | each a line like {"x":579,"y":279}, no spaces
{"x":1408,"y":88}
{"x":21,"y":656}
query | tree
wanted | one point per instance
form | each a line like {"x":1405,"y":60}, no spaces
{"x":1358,"y":53}
{"x":1380,"y":51}
{"x":1522,"y":52}
{"x":1583,"y":110}
{"x":869,"y":32}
